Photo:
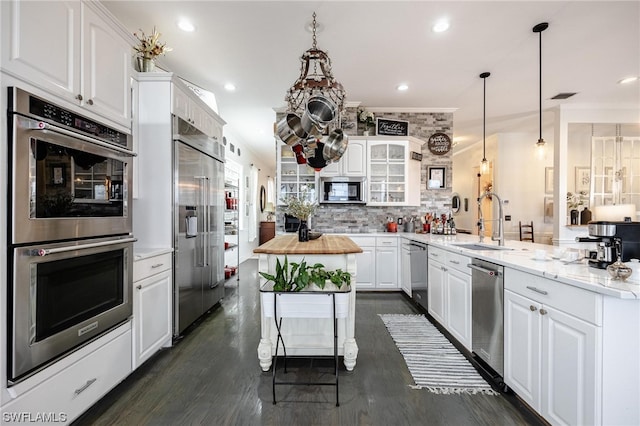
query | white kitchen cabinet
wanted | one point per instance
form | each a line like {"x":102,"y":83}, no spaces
{"x":88,"y":375}
{"x":293,"y":179}
{"x":377,"y":265}
{"x":152,"y":310}
{"x":405,"y":268}
{"x":352,"y":163}
{"x":552,"y":334}
{"x":387,"y":263}
{"x":189,"y":108}
{"x":84,"y":59}
{"x":449,"y":293}
{"x":393,"y":176}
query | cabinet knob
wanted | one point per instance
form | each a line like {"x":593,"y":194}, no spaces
{"x":90,"y":101}
{"x":543,"y":312}
{"x":79,"y":97}
{"x":533,"y":308}
{"x":139,"y":287}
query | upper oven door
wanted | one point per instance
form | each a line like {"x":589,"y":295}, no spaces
{"x":66,"y":185}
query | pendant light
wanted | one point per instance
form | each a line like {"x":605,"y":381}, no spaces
{"x":540,"y":145}
{"x":484,"y":164}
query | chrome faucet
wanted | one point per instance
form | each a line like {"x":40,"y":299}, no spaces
{"x":500,"y":220}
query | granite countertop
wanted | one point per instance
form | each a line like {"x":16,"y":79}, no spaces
{"x":326,"y":244}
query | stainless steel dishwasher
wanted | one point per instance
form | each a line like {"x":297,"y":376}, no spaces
{"x":487,"y":332}
{"x":418,"y":256}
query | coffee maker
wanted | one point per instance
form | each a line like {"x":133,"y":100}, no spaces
{"x":615,"y":239}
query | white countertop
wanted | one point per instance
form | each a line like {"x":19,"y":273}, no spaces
{"x":577,"y":274}
{"x":140,"y":253}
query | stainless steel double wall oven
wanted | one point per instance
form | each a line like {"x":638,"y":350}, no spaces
{"x":70,"y":245}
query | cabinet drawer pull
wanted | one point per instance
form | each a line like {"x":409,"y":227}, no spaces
{"x":533,"y":308}
{"x":537,"y":290}
{"x":455,"y":262}
{"x":434,"y":254}
{"x":443,"y":268}
{"x":79,"y":97}
{"x":90,"y":102}
{"x":543,"y":312}
{"x":139,"y":287}
{"x":157,"y":265}
{"x":85,"y":386}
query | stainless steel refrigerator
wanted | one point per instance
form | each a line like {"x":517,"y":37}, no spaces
{"x":199,"y":224}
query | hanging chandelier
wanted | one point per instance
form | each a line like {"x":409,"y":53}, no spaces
{"x":316,"y":79}
{"x":315,"y":100}
{"x":484,"y":164}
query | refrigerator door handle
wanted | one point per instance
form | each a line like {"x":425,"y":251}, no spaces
{"x":201,"y":201}
{"x":207,"y":223}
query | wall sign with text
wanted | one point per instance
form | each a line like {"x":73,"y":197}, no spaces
{"x":439,"y":143}
{"x":388,"y":127}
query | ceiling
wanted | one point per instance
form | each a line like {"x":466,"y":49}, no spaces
{"x":376,"y":45}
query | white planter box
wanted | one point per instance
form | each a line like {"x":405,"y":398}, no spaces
{"x":307,"y":304}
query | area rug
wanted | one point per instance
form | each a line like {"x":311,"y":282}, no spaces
{"x":435,"y":364}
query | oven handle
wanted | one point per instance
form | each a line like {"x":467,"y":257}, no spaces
{"x":45,"y":252}
{"x":44,"y":126}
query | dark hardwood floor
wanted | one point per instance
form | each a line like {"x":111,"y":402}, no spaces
{"x":212,"y":377}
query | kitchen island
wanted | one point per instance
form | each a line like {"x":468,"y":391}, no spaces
{"x":310,"y":336}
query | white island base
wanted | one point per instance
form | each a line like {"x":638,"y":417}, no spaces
{"x":309,"y":336}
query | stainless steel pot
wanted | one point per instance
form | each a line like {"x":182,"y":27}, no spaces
{"x":290,"y":130}
{"x":335,"y":145}
{"x":319,"y":112}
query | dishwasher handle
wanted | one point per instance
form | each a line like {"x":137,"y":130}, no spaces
{"x":489,"y":272}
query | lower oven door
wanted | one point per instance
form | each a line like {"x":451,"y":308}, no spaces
{"x":63,"y":296}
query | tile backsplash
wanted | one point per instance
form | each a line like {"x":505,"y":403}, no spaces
{"x":346,"y":218}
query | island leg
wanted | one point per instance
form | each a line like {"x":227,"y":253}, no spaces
{"x":264,"y":353}
{"x":350,"y":353}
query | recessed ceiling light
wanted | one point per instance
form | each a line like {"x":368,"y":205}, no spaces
{"x":440,"y":26}
{"x":402,"y":87}
{"x":230,"y":87}
{"x":628,"y":80}
{"x":185,"y":25}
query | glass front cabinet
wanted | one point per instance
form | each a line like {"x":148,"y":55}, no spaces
{"x":393,"y":176}
{"x":293,"y":178}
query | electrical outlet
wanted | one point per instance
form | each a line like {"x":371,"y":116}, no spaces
{"x":507,"y":218}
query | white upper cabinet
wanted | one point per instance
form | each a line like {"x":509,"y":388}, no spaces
{"x":352,"y":163}
{"x":185,"y":106}
{"x":72,"y":50}
{"x":393,"y":177}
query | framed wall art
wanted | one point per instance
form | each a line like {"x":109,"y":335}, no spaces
{"x":436,"y":177}
{"x":548,"y":209}
{"x":583,"y":179}
{"x":548,"y":180}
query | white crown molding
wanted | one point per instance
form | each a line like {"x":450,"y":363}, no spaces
{"x":411,"y":109}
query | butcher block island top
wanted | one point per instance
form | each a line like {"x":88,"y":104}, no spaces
{"x":326,"y":244}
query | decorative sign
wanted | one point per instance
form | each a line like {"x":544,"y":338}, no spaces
{"x":439,"y":143}
{"x":388,"y":127}
{"x":416,"y":156}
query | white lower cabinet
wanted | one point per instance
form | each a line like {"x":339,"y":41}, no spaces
{"x":449,"y":293}
{"x":377,"y":265}
{"x":71,"y":391}
{"x":551,"y":337}
{"x":405,"y":270}
{"x":152,"y":290}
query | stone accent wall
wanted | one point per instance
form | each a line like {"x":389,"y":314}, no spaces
{"x":358,"y":218}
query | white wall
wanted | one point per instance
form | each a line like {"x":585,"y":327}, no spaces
{"x":266,"y":167}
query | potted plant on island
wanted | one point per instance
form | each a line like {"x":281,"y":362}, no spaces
{"x":301,"y":207}
{"x":293,"y":277}
{"x":148,"y":49}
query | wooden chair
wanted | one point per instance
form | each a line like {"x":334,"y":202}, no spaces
{"x":526,"y":231}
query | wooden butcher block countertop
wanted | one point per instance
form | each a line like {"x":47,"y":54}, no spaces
{"x":326,"y":244}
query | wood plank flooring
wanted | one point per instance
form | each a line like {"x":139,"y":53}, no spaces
{"x":212,"y":377}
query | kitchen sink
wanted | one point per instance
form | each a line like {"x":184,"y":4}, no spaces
{"x":477,"y":246}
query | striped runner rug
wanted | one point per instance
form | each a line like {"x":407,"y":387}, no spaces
{"x":435,"y":364}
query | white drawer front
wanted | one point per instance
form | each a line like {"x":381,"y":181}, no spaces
{"x":459,"y":262}
{"x":76,"y":388}
{"x":386,"y":241}
{"x":575,"y":301}
{"x":436,"y":253}
{"x":363,"y":241}
{"x":150,"y":266}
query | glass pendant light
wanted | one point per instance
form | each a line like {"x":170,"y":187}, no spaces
{"x":484,"y":164}
{"x":540,"y":145}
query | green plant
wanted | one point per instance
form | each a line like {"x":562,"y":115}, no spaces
{"x":300,"y":206}
{"x":292,"y":276}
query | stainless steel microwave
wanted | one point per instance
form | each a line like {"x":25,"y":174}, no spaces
{"x":343,"y":190}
